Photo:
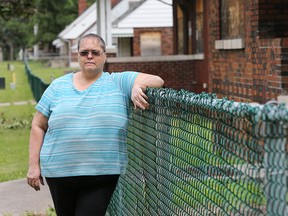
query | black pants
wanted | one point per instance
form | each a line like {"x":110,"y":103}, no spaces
{"x":82,"y":195}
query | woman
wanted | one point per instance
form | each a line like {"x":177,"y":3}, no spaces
{"x":78,"y":134}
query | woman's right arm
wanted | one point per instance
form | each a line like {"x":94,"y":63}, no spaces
{"x":38,"y":130}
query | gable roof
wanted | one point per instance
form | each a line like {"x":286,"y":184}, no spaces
{"x":125,"y":17}
{"x":151,"y":13}
{"x":80,"y":24}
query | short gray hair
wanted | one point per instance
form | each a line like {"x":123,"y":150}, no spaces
{"x":98,"y":37}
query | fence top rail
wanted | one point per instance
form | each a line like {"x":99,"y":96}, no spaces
{"x":269,"y":112}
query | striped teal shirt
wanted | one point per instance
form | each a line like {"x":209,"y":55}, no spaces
{"x":86,"y":129}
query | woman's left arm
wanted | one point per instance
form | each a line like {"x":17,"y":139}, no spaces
{"x":141,"y":83}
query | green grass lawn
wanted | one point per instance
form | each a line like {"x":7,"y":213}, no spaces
{"x":22,"y":90}
{"x":13,"y":154}
{"x":15,"y":120}
{"x":15,"y":124}
{"x":47,"y":74}
{"x":14,"y":142}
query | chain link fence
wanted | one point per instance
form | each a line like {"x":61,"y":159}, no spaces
{"x":194,"y":154}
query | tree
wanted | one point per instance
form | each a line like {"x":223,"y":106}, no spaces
{"x":52,"y":17}
{"x":15,"y":21}
{"x":15,"y":34}
{"x":17,"y":8}
{"x":17,"y":18}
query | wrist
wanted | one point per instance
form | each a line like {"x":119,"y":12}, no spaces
{"x":34,"y":162}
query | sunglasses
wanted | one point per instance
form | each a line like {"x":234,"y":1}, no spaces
{"x":95,"y":53}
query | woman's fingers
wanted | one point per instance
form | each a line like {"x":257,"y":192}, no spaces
{"x":35,"y":182}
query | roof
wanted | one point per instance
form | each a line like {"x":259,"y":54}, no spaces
{"x":81,"y":24}
{"x":116,"y":32}
{"x":125,"y":17}
{"x":151,"y":13}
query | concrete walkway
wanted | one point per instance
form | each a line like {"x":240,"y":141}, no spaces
{"x":18,"y":103}
{"x":17,"y":197}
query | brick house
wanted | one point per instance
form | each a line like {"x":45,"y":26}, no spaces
{"x":245,"y":46}
{"x":236,"y":49}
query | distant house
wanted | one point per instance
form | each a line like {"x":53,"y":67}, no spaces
{"x":138,"y":28}
{"x":152,"y":24}
{"x":67,"y":39}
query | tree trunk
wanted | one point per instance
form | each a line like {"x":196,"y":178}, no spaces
{"x":24,"y":56}
{"x":11,"y":51}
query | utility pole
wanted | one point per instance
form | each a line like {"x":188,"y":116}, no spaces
{"x":35,"y":47}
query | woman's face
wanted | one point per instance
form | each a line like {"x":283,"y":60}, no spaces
{"x":91,"y":56}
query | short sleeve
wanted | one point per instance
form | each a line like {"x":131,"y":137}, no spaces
{"x":45,"y":103}
{"x":126,"y":81}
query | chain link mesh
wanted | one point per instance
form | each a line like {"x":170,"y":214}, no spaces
{"x":194,"y":154}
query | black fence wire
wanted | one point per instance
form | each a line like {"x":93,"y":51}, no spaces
{"x":37,"y":85}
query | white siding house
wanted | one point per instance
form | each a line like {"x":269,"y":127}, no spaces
{"x":125,"y":17}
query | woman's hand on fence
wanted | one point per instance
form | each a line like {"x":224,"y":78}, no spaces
{"x":139,"y":98}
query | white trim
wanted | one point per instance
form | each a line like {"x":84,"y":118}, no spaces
{"x":124,"y":32}
{"x":230,"y":44}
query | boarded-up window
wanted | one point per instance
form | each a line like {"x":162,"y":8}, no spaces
{"x":150,"y":44}
{"x":232,"y":20}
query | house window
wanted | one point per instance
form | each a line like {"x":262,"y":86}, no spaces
{"x":232,"y":25}
{"x":150,"y":44}
{"x":124,"y":47}
{"x":199,"y":26}
{"x":232,"y":20}
{"x":189,"y":26}
{"x":273,"y":19}
{"x":180,"y":24}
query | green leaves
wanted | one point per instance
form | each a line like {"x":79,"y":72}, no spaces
{"x":17,"y":8}
{"x":18,"y":17}
{"x":53,"y":16}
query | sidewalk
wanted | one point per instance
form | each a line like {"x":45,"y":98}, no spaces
{"x":18,"y":103}
{"x":17,"y":197}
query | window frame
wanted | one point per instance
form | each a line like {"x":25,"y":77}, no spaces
{"x":188,"y":9}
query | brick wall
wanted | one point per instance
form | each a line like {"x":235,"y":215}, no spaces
{"x":114,"y":2}
{"x":255,"y":73}
{"x":176,"y":74}
{"x":166,"y":40}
